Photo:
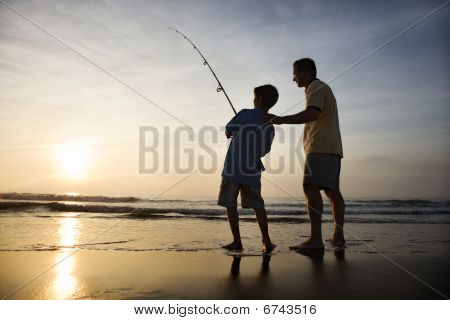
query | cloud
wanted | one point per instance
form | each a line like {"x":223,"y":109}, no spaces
{"x":393,"y":107}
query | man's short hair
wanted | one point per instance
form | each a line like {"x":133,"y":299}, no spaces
{"x":307,"y":65}
{"x":268,"y":93}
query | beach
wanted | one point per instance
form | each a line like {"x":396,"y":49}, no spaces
{"x":130,"y":248}
{"x":201,"y":275}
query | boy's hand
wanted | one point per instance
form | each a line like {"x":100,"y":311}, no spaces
{"x":273,"y":119}
{"x":227,"y":134}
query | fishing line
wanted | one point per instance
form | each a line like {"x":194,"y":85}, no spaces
{"x":205,"y":62}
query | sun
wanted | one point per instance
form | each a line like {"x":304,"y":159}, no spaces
{"x":73,"y":158}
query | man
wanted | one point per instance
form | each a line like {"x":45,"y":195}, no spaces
{"x":323,"y":148}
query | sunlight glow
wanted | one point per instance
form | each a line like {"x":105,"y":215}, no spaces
{"x":65,"y":283}
{"x":73,"y":194}
{"x":73,"y":159}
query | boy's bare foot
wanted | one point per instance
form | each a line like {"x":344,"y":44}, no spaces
{"x":308,"y":245}
{"x":233,"y":246}
{"x":268,"y":247}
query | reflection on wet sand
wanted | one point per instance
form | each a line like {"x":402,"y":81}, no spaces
{"x":339,"y":253}
{"x":65,"y":283}
{"x":108,"y":274}
{"x":321,"y":270}
{"x":236,"y":265}
{"x":265,"y":266}
{"x":316,"y":257}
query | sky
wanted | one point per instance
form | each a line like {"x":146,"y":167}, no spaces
{"x":70,"y":125}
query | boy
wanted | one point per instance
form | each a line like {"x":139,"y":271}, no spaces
{"x":251,"y":140}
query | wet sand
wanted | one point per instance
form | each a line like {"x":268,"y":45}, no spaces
{"x":94,"y":274}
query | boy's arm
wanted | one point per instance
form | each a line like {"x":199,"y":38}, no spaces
{"x":268,"y":136}
{"x":233,"y":125}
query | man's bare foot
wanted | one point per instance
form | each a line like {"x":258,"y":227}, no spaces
{"x":337,"y":242}
{"x":233,"y":246}
{"x":268,"y":247}
{"x":308,"y":245}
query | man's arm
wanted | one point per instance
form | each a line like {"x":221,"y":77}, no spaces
{"x":308,"y":115}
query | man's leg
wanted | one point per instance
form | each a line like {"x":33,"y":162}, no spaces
{"x":261,"y":217}
{"x":338,"y":211}
{"x":315,"y":209}
{"x":233,"y":219}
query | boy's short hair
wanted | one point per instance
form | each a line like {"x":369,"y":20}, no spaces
{"x":306,"y":64}
{"x":268,"y":93}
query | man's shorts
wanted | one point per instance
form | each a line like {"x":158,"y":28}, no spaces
{"x":250,"y":196}
{"x":322,"y":169}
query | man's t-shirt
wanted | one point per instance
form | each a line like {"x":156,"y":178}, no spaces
{"x":252,"y":139}
{"x":322,"y":135}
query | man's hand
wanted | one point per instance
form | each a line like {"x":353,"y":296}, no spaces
{"x":273,"y":119}
{"x":308,"y":115}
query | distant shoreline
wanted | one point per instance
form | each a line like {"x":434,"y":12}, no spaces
{"x":71,"y":196}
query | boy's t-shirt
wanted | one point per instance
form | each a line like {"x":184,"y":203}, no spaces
{"x":322,"y":135}
{"x":252,"y":139}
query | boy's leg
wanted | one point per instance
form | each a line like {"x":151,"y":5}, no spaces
{"x":233,"y":219}
{"x":228,"y":198}
{"x":338,"y":211}
{"x":261,"y":217}
{"x":251,"y":198}
{"x":315,"y":209}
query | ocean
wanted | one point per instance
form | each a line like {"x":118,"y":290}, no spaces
{"x":46,"y":222}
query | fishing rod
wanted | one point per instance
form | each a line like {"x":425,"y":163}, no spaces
{"x":220,"y":87}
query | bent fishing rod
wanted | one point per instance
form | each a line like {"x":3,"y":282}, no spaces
{"x":220,"y":87}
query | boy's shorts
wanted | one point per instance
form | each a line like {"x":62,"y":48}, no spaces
{"x":250,"y":196}
{"x":322,"y":169}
